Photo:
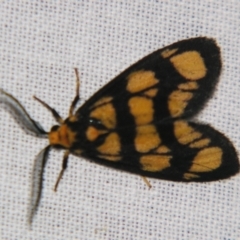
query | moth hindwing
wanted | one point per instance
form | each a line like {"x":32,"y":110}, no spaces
{"x":140,"y":122}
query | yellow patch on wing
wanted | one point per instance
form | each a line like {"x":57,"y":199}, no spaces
{"x":142,"y":109}
{"x":140,"y":80}
{"x":111,"y":145}
{"x":162,"y":149}
{"x":155,"y":163}
{"x":177,"y":101}
{"x":184,"y":133}
{"x":188,"y":86}
{"x":92,"y":133}
{"x":189,"y":176}
{"x":106,"y":114}
{"x":168,"y":52}
{"x":146,"y":139}
{"x":151,"y":93}
{"x":190,"y":65}
{"x":113,"y":158}
{"x":200,"y":143}
{"x":102,"y":100}
{"x":207,"y":160}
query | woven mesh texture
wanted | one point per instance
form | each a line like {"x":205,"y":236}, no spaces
{"x":40,"y":44}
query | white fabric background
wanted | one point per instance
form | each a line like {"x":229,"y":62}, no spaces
{"x":40,"y":44}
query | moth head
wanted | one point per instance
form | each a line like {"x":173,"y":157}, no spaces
{"x":61,"y":136}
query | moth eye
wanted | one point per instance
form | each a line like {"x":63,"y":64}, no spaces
{"x":54,"y":128}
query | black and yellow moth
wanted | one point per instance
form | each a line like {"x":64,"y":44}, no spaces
{"x":140,"y":122}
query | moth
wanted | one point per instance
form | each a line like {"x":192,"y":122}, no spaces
{"x":140,"y":122}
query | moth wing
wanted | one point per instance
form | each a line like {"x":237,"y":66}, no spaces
{"x":178,"y":151}
{"x":178,"y":78}
{"x":134,"y":122}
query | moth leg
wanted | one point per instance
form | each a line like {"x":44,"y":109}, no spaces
{"x":147,"y":182}
{"x":76,"y":98}
{"x":55,"y":114}
{"x":64,"y":166}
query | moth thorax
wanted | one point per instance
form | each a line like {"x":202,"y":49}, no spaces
{"x":62,"y":136}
